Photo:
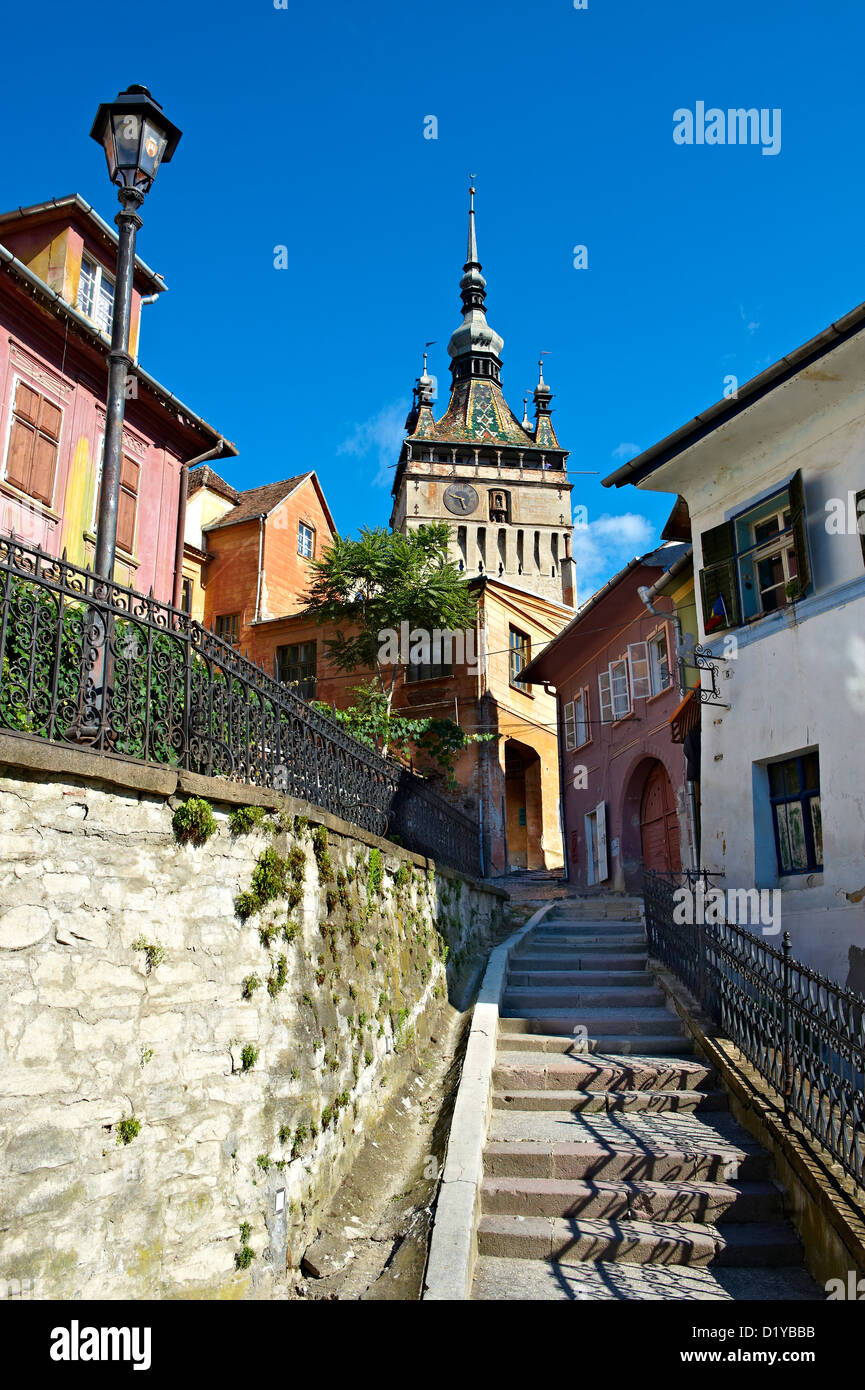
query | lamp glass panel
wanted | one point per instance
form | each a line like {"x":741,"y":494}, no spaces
{"x":127,"y":137}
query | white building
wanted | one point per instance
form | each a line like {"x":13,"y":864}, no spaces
{"x":775,"y":483}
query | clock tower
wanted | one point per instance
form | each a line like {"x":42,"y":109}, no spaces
{"x":501,"y":483}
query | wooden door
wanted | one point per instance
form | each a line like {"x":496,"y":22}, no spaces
{"x":659,"y":825}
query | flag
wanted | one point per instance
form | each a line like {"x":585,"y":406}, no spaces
{"x":718,"y":616}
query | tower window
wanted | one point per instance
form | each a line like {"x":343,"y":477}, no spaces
{"x":499,"y":506}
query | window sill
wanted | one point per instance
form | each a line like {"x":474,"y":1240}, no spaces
{"x":651,"y":698}
{"x":808,"y":878}
{"x":428,"y":680}
{"x":31,"y":502}
{"x":521,"y":689}
{"x":123,"y":555}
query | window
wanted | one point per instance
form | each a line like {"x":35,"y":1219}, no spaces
{"x":615,"y":691}
{"x":186,"y":596}
{"x":305,"y":540}
{"x":429,"y":671}
{"x":34,"y":441}
{"x":520,"y":655}
{"x":296,"y":666}
{"x":659,"y":662}
{"x":757,"y":562}
{"x":228,"y":627}
{"x":794,"y":791}
{"x":127,"y":501}
{"x":576,"y":720}
{"x":499,"y":506}
{"x":96,"y":294}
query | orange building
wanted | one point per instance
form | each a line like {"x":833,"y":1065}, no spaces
{"x":247,"y":555}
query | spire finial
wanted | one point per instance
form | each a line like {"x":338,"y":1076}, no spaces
{"x":472,"y":253}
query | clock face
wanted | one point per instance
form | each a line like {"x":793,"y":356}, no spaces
{"x":460,"y":498}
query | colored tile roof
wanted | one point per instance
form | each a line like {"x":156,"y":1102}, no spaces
{"x":257,"y":501}
{"x":478,"y":413}
{"x":207,"y":477}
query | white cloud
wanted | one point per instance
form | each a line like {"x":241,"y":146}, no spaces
{"x":380,"y":437}
{"x":605,"y":546}
{"x":626,"y":451}
{"x":751,"y":325}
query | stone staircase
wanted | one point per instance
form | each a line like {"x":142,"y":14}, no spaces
{"x":612,"y":1169}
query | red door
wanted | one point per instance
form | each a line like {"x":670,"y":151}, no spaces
{"x":659,"y":826}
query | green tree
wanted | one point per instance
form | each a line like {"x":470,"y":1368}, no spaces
{"x":372,"y":585}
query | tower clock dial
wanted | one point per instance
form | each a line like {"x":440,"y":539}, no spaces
{"x":460,"y":498}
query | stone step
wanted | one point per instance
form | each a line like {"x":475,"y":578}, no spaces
{"x":638,"y":1242}
{"x":705,"y":1203}
{"x":612,"y":997}
{"x":553,"y":957}
{"x":536,"y":1098}
{"x":574,"y":910}
{"x":518,"y":978}
{"x":613,"y":1045}
{"x":608,"y":926}
{"x":525,"y":1069}
{"x":599,"y":1023}
{"x":598,"y":933}
{"x":559,"y":969}
{"x":533,"y":1158}
{"x":548,"y":1281}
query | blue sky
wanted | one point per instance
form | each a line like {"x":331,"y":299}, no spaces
{"x":304,"y":127}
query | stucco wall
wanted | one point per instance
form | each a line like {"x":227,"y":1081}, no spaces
{"x":89,"y":872}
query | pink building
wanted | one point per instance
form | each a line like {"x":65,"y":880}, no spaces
{"x":627,"y":802}
{"x":57,"y":265}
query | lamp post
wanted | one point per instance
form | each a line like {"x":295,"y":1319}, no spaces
{"x":137,"y":138}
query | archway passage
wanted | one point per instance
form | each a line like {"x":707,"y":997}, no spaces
{"x":523,"y":806}
{"x":659,"y":825}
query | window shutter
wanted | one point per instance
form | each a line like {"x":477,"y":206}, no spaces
{"x":42,"y":469}
{"x":620,"y":688}
{"x":638,"y":660}
{"x":20,"y":450}
{"x":605,"y":693}
{"x":601,"y":825}
{"x":127,"y":504}
{"x":718,"y":543}
{"x":860,"y":519}
{"x":718,"y":575}
{"x":581,"y":716}
{"x":570,"y":727}
{"x":799,"y":524}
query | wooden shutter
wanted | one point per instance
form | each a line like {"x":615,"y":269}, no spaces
{"x":581,"y":717}
{"x":605,"y":693}
{"x":31,"y":462}
{"x":638,"y":660}
{"x":18,"y":458}
{"x":718,"y":575}
{"x":860,"y":519}
{"x":799,"y":524}
{"x":570,"y":726}
{"x":601,"y":828}
{"x":127,"y":504}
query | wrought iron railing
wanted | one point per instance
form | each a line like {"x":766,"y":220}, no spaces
{"x":104,"y":667}
{"x":803,"y":1032}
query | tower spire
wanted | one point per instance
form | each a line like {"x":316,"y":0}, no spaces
{"x":474,"y":335}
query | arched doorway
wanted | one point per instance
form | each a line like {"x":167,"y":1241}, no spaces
{"x":523,"y":806}
{"x":659,"y":824}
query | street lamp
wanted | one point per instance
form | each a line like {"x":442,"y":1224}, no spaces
{"x":137,"y":138}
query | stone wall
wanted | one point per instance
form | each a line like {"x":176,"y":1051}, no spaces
{"x":248,"y":1054}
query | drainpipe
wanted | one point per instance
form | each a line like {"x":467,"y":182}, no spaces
{"x":177,"y":593}
{"x":648,"y":596}
{"x":260,"y":567}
